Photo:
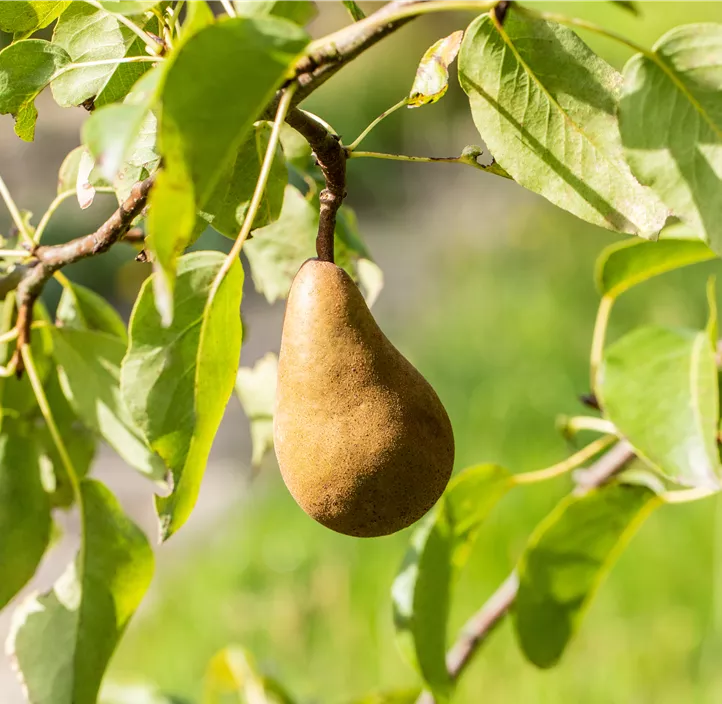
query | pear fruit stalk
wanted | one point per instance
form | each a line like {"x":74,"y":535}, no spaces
{"x":363,"y":442}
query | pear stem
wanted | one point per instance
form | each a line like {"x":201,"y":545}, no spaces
{"x":331,"y":158}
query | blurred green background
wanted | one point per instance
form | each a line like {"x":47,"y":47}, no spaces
{"x":490,"y":293}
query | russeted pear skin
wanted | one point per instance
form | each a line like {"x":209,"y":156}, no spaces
{"x":363,"y":442}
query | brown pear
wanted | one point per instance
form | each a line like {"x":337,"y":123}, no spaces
{"x":364,"y":445}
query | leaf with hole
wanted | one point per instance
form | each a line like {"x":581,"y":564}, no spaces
{"x":177,"y":380}
{"x":62,"y":641}
{"x":256,"y":389}
{"x":670,"y":116}
{"x":24,"y":510}
{"x":203,"y":123}
{"x":566,"y":559}
{"x":432,"y":75}
{"x":659,"y":388}
{"x":26,"y":67}
{"x":439,"y":549}
{"x":625,"y":264}
{"x":89,"y":371}
{"x":545,"y":105}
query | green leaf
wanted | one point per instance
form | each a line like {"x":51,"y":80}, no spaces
{"x":298,"y":11}
{"x":83,"y":309}
{"x":627,"y":5}
{"x":432,"y":75}
{"x":227,"y":206}
{"x":26,"y":67}
{"x":354,"y":10}
{"x":440,"y":547}
{"x":128,"y":7}
{"x":670,"y":116}
{"x":68,"y":173}
{"x":712,"y":328}
{"x":62,"y":641}
{"x":625,"y":264}
{"x":659,"y":388}
{"x":110,"y":134}
{"x":204,"y":122}
{"x":277,"y":251}
{"x":405,"y":696}
{"x":114,"y":693}
{"x":545,"y":105}
{"x":122,"y":136}
{"x":89,"y":371}
{"x":198,"y":15}
{"x":233,"y":671}
{"x":24,"y":511}
{"x":256,"y":389}
{"x":22,"y":18}
{"x":80,"y":443}
{"x":17,"y":399}
{"x":89,"y":34}
{"x":566,"y":559}
{"x":177,"y":380}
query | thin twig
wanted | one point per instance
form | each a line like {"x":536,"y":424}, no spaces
{"x":51,"y":258}
{"x":331,"y":158}
{"x":477,"y":629}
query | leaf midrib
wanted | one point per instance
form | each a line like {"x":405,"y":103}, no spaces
{"x":508,"y":42}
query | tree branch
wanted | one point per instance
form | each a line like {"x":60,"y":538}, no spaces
{"x":478,"y":628}
{"x":331,"y":158}
{"x":49,"y":259}
{"x":314,"y":69}
{"x":327,"y":56}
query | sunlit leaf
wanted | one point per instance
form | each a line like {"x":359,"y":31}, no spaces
{"x":90,"y":34}
{"x":81,"y":308}
{"x":26,"y":67}
{"x":89,"y":371}
{"x":277,"y":251}
{"x":128,"y":7}
{"x":298,"y":11}
{"x":432,"y":75}
{"x":204,"y":121}
{"x":22,"y":17}
{"x":177,"y":380}
{"x":659,"y":388}
{"x":256,"y":389}
{"x":80,"y":443}
{"x":233,"y":671}
{"x":405,"y":696}
{"x":439,"y":549}
{"x":124,"y":133}
{"x":567,"y":557}
{"x":670,"y":116}
{"x":24,"y":511}
{"x":62,"y":641}
{"x":545,"y":105}
{"x":227,"y":206}
{"x":625,"y":264}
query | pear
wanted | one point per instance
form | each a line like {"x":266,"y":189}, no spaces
{"x":364,"y":444}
